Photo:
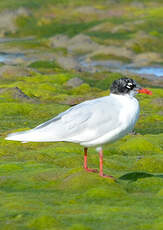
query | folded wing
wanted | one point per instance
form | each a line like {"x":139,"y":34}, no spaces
{"x":84,"y":122}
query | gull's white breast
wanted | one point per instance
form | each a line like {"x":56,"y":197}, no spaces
{"x":127,"y":117}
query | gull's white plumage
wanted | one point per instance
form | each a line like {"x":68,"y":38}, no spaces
{"x":91,"y":123}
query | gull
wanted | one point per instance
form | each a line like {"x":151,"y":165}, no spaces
{"x":93,"y":122}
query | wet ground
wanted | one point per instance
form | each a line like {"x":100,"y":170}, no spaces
{"x":118,"y":66}
{"x":114,"y":65}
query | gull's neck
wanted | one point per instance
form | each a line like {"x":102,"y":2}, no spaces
{"x":122,"y":95}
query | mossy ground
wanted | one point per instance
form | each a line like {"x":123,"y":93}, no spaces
{"x":109,"y":23}
{"x":44,"y":186}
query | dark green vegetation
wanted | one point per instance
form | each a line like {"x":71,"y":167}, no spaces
{"x":43,"y":185}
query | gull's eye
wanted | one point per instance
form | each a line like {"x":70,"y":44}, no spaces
{"x":129,"y":85}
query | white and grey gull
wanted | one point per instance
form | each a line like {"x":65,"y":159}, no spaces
{"x":93,"y":122}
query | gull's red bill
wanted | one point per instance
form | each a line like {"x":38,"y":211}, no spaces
{"x":146,"y":91}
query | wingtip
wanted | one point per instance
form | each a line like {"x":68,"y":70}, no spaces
{"x":13,"y":136}
{"x":9,"y":137}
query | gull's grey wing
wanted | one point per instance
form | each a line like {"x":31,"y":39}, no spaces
{"x":83,"y":122}
{"x":70,"y":117}
{"x":66,"y":122}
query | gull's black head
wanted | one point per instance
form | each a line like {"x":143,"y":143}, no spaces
{"x":124,"y":86}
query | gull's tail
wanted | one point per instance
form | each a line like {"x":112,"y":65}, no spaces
{"x":31,"y":136}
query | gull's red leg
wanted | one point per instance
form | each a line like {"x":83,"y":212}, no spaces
{"x":101,"y":164}
{"x":85,"y":163}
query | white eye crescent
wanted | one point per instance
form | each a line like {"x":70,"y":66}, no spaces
{"x":129,"y":84}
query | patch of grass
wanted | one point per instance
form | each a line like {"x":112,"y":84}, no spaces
{"x":29,"y":26}
{"x":140,"y":145}
{"x":29,"y":43}
{"x":106,"y":83}
{"x":110,"y":57}
{"x":150,"y":164}
{"x":29,"y":4}
{"x":108,"y":35}
{"x":8,"y":4}
{"x":146,"y":44}
{"x":43,"y":65}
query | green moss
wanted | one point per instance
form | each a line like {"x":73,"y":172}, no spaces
{"x":34,"y":26}
{"x":43,"y":222}
{"x":109,"y":35}
{"x":155,"y":121}
{"x":150,"y":164}
{"x":58,"y":78}
{"x":110,"y":57}
{"x":139,"y":145}
{"x":160,"y":193}
{"x":80,"y":180}
{"x":158,"y":225}
{"x":152,"y":184}
{"x":1,"y":64}
{"x":155,"y":12}
{"x":45,"y":87}
{"x":145,"y":44}
{"x":60,"y":50}
{"x":102,"y":193}
{"x":79,"y":227}
{"x":43,"y":65}
{"x":82,"y":89}
{"x":10,"y":167}
{"x":106,"y":83}
{"x":15,"y":109}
